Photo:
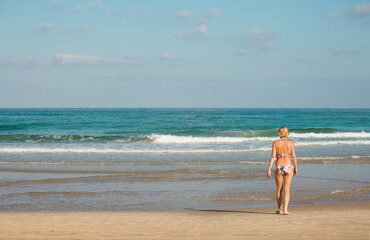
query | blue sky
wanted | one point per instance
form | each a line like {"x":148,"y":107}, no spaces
{"x":206,"y":53}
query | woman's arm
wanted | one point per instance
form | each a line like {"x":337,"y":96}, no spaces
{"x":294,"y":157}
{"x":272,"y":160}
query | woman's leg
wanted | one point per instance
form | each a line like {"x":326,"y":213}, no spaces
{"x":279,"y":191}
{"x":287,"y":182}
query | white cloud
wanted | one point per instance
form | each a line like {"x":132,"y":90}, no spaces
{"x":11,"y":61}
{"x":256,"y":32}
{"x":66,"y":59}
{"x":338,"y":15}
{"x":165,"y":57}
{"x":260,"y":34}
{"x":357,"y":11}
{"x":256,"y":39}
{"x":57,"y":2}
{"x":84,"y":28}
{"x":45,"y":26}
{"x":185,"y":14}
{"x":201,"y":30}
{"x":199,"y":19}
{"x":96,"y":4}
{"x":70,"y":59}
{"x":214,"y":13}
{"x":77,"y":9}
{"x":363,"y":9}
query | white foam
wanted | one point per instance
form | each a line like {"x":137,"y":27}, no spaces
{"x":331,"y":135}
{"x":122,"y":151}
{"x":337,"y":191}
{"x":334,"y":157}
{"x":166,"y":139}
{"x":171,"y":139}
{"x":328,"y":143}
{"x":132,"y":163}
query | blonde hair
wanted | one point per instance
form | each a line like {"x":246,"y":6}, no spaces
{"x":283,"y":132}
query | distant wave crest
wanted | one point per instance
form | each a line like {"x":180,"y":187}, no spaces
{"x":216,"y":137}
{"x":121,"y":151}
{"x":72,"y":138}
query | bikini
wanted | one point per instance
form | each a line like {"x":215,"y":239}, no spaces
{"x":283,"y":169}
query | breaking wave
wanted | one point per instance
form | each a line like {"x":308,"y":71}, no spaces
{"x":217,"y":137}
{"x":122,"y":151}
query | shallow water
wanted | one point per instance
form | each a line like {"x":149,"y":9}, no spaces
{"x":149,"y":159}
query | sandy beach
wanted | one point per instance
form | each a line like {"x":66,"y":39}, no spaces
{"x":337,"y":221}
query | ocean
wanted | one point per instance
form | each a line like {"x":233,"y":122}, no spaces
{"x":177,"y":159}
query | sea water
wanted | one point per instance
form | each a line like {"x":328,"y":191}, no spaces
{"x":151,"y":159}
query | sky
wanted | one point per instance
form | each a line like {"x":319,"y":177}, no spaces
{"x":185,"y":54}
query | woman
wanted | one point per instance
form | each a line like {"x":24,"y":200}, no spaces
{"x":284,"y":170}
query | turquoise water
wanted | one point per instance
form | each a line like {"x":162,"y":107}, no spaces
{"x":144,"y":159}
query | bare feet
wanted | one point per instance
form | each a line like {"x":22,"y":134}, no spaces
{"x":279,"y":212}
{"x":286,"y":213}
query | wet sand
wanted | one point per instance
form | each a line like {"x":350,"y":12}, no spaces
{"x":336,"y":221}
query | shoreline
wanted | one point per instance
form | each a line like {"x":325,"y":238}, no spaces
{"x":300,"y":208}
{"x":326,"y":221}
{"x":252,"y":207}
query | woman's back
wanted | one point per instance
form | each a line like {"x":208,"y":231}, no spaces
{"x":283,"y":148}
